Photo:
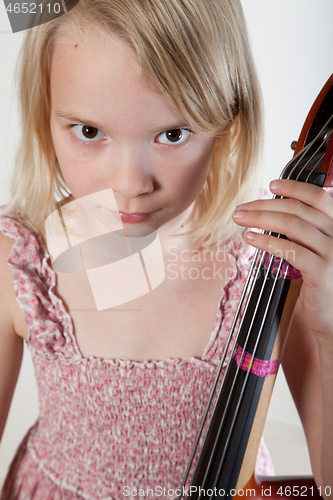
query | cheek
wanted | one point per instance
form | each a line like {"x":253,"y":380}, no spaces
{"x":193,"y":172}
{"x":80,"y":179}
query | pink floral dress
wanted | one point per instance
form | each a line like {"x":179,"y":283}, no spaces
{"x":106,"y":427}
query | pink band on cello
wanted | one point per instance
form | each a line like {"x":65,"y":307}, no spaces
{"x":287,"y":271}
{"x":260,"y":367}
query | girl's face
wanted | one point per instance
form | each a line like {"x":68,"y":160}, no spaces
{"x":111,"y":129}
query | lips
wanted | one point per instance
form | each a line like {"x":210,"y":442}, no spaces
{"x":131,"y":218}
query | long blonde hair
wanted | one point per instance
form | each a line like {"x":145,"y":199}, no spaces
{"x":197,"y":52}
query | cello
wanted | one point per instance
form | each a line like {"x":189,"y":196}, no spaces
{"x":223,"y":458}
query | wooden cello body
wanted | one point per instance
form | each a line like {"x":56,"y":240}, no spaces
{"x":237,"y":409}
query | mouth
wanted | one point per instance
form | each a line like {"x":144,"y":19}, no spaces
{"x":133,"y":218}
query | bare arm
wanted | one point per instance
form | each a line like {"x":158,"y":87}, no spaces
{"x":308,"y":366}
{"x":11,"y":345}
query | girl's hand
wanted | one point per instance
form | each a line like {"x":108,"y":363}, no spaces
{"x":305,"y":216}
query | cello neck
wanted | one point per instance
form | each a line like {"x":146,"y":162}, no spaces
{"x":228,"y":456}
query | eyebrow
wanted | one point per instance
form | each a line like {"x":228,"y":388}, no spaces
{"x":76,"y":119}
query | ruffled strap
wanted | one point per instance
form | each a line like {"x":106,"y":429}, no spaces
{"x":50,"y":325}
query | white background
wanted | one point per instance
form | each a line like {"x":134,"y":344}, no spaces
{"x":292,"y":42}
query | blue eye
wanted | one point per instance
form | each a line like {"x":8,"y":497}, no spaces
{"x":87,"y":133}
{"x":176,"y":136}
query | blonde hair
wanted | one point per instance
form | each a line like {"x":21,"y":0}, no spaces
{"x":197,"y":52}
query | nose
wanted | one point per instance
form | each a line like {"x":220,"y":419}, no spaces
{"x":130,"y":173}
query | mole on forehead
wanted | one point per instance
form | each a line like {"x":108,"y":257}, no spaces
{"x":74,"y":32}
{"x":69,"y":36}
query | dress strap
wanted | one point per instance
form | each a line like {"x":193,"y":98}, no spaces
{"x":50,"y":325}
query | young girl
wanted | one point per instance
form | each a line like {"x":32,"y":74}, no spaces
{"x":158,"y":103}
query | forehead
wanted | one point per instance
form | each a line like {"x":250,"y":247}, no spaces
{"x":89,"y":57}
{"x":100,"y":76}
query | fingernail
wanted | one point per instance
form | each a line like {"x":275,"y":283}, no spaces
{"x":238,"y":214}
{"x":250,"y":235}
{"x":241,"y":207}
{"x":275,"y":185}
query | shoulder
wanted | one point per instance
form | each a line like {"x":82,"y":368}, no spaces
{"x":7,"y":295}
{"x":6,"y":245}
{"x":11,"y":320}
{"x":10,"y":342}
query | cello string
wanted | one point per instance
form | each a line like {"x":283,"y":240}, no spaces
{"x":230,"y":395}
{"x":311,"y":158}
{"x":248,"y":371}
{"x":257,"y":270}
{"x":305,"y":149}
{"x":300,"y":155}
{"x":248,"y":286}
{"x":208,"y":406}
{"x":326,"y":139}
{"x":253,"y":355}
{"x":263,"y":255}
{"x":277,"y":276}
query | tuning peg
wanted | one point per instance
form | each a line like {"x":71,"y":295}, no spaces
{"x":293,"y":145}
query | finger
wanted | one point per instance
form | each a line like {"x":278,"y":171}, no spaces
{"x":310,"y":194}
{"x":308,"y":214}
{"x":296,"y":229}
{"x":298,"y":256}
